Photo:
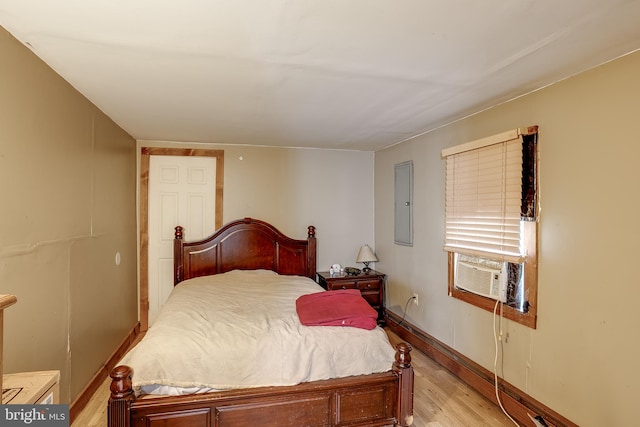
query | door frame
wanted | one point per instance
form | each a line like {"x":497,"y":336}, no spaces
{"x":145,"y":154}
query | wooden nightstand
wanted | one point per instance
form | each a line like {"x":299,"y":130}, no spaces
{"x":371,"y":285}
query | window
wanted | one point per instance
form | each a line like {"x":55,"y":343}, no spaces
{"x":491,"y":217}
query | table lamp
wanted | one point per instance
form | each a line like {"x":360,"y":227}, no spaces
{"x":365,"y":256}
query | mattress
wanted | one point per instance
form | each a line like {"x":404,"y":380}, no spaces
{"x":239,"y":330}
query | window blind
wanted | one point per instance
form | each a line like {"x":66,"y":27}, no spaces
{"x":483,"y":197}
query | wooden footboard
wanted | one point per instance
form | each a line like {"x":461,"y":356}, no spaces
{"x":367,"y":400}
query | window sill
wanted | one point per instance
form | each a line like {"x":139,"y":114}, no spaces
{"x":526,"y":319}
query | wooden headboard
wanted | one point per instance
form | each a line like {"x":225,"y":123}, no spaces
{"x":244,"y":244}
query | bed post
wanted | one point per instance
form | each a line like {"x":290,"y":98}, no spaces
{"x":122,"y":396}
{"x":402,"y":367}
{"x":311,"y":252}
{"x":178,"y":260}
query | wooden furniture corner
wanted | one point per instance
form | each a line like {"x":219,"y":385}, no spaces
{"x":5,"y":301}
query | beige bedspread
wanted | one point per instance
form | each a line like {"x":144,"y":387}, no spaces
{"x":240,"y":329}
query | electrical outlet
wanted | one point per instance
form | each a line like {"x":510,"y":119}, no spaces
{"x":415,"y":298}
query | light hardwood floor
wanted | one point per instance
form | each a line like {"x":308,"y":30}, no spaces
{"x":440,"y":400}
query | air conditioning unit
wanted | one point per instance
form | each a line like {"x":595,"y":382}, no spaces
{"x":481,"y":276}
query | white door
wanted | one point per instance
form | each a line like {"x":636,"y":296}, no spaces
{"x":182,"y":191}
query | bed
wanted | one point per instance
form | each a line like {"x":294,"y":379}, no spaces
{"x":253,"y":247}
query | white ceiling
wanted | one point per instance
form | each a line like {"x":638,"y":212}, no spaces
{"x":351,"y":74}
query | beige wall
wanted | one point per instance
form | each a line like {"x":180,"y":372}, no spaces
{"x":293,"y":188}
{"x":581,"y":360}
{"x":67,"y":182}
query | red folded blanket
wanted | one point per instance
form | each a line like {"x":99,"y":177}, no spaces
{"x":344,"y":307}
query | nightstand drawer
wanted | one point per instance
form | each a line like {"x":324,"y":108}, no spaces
{"x":373,"y":298}
{"x":342,"y":284}
{"x":371,"y":285}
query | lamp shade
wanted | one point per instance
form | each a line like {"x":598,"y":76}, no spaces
{"x":366,"y":255}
